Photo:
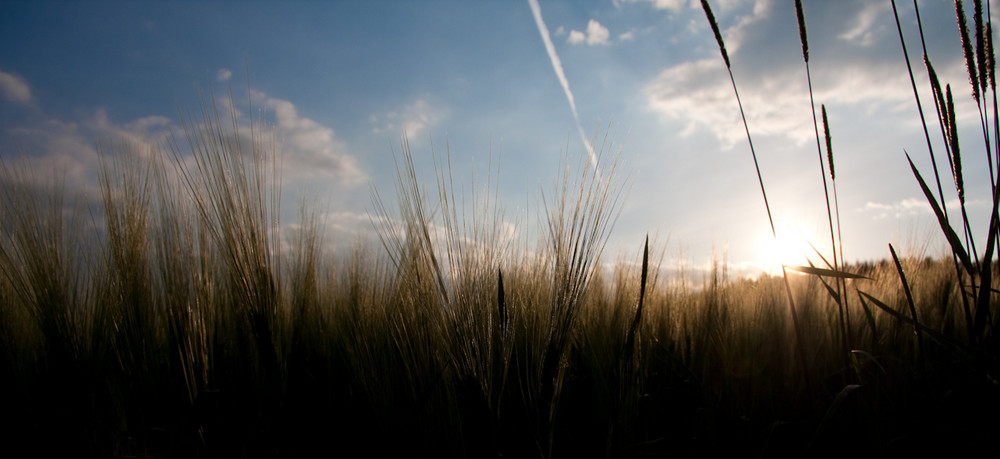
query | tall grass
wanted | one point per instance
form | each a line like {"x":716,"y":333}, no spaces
{"x":980,"y":353}
{"x":176,"y":319}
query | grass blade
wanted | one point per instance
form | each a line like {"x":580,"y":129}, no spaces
{"x":630,"y":341}
{"x":941,"y":338}
{"x":953,"y":240}
{"x":501,"y":302}
{"x":826,"y":272}
{"x":909,"y":301}
{"x":871,"y":319}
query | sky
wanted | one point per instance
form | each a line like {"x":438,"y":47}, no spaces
{"x":529,"y":85}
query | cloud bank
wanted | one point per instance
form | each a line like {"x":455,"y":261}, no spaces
{"x":847,"y":69}
{"x":71,"y":148}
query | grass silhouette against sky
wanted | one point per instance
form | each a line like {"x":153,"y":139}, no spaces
{"x":164,"y":293}
{"x":342,"y":82}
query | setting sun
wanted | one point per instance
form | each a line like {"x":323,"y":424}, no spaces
{"x":791,"y":247}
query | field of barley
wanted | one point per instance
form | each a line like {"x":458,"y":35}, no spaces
{"x":176,"y":321}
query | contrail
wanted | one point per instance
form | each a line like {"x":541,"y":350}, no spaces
{"x":557,"y":66}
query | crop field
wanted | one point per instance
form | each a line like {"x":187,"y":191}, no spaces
{"x":175,"y":320}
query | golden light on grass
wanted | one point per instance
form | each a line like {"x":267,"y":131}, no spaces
{"x":185,"y":331}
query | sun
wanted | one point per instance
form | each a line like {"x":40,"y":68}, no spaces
{"x":791,"y":247}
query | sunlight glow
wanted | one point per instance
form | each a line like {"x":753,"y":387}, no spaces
{"x":790,"y":248}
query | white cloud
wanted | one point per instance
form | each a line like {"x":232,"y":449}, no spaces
{"x":347,"y":223}
{"x":735,"y":35}
{"x":677,"y":6}
{"x":915,"y":206}
{"x":596,"y":35}
{"x":627,"y":36}
{"x":674,"y":6}
{"x":700,"y":95}
{"x":904,"y":208}
{"x":224,"y":75}
{"x":71,"y":150}
{"x":772,"y":81}
{"x":309,"y":149}
{"x":68,"y":152}
{"x":560,"y":31}
{"x":413,"y":119}
{"x":14,"y":88}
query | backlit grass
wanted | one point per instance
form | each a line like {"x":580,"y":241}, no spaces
{"x":178,"y":320}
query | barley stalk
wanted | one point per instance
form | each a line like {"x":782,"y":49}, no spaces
{"x":970,"y":58}
{"x":916,"y":95}
{"x":788,"y":289}
{"x":800,"y":16}
{"x":829,"y":147}
{"x":715,"y":30}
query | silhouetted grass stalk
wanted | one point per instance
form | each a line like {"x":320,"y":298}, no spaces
{"x":967,"y":263}
{"x":910,"y":303}
{"x":791,"y":300}
{"x":941,"y":107}
{"x":804,"y":40}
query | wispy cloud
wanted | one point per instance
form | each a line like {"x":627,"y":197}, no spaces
{"x":903,"y":208}
{"x":14,"y":88}
{"x":861,"y":30}
{"x":224,"y":75}
{"x":413,"y":119}
{"x":914,"y":206}
{"x":560,"y":74}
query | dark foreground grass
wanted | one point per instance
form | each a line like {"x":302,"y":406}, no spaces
{"x":186,"y":325}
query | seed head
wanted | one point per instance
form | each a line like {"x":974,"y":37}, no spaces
{"x":970,"y":59}
{"x":802,"y":30}
{"x":829,"y":148}
{"x":715,"y":29}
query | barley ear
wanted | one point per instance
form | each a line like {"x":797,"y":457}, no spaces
{"x":939,"y":100}
{"x":829,"y":147}
{"x":956,"y":157}
{"x":802,"y":29}
{"x":970,"y":60}
{"x":715,"y":30}
{"x":980,"y":44}
{"x":990,"y":60}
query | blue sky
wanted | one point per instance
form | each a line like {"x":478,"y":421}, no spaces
{"x":341,"y":81}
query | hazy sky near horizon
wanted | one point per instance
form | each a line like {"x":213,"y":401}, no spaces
{"x":341,"y":81}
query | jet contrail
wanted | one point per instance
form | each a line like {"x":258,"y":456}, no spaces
{"x":557,"y":66}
